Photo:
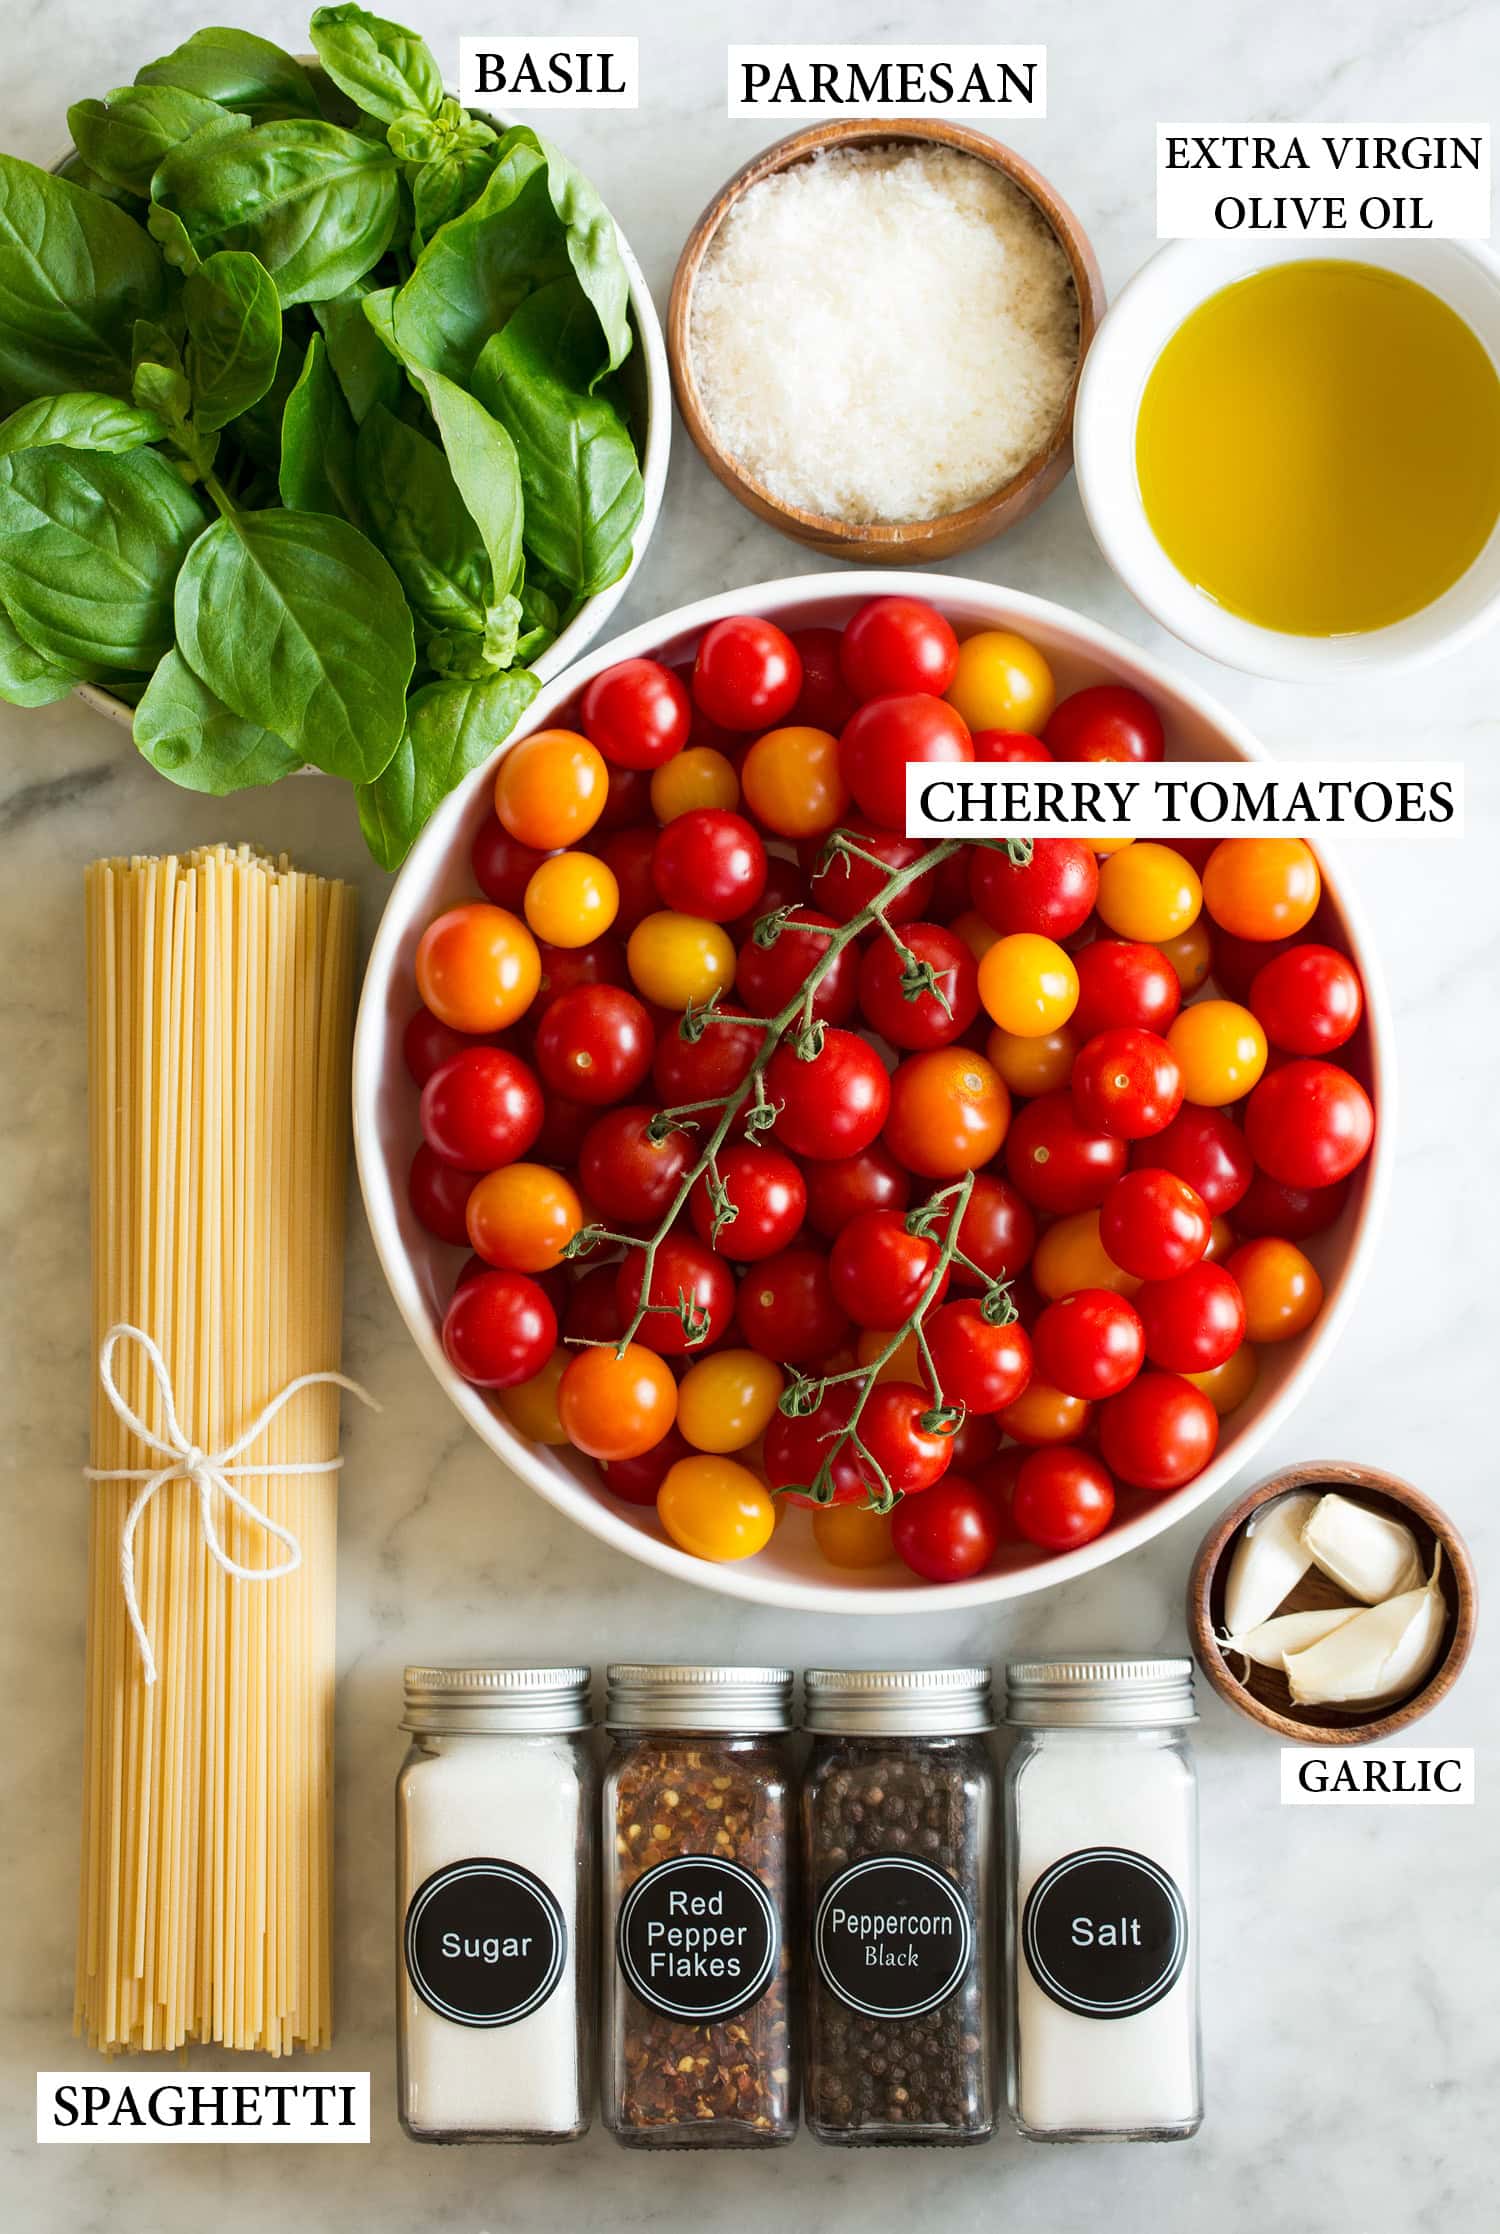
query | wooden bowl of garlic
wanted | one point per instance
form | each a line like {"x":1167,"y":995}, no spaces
{"x":1335,"y":1604}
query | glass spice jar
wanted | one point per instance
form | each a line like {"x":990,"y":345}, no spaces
{"x":699,"y":2050}
{"x":898,"y":1814}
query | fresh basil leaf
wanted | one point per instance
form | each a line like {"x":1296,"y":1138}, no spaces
{"x":77,"y":172}
{"x":583,"y":490}
{"x":447,"y":182}
{"x":422,"y":524}
{"x":233,"y":318}
{"x":160,"y":385}
{"x":593,"y":250}
{"x":297,"y":623}
{"x":451,"y":728}
{"x":318,"y":472}
{"x":75,"y":273}
{"x":476,"y":268}
{"x":237,"y":70}
{"x":258,"y":430}
{"x":90,"y":546}
{"x":364,"y":368}
{"x":80,"y":422}
{"x":192,"y":738}
{"x":172,"y":238}
{"x":124,"y":136}
{"x":482,"y":459}
{"x":317,"y":204}
{"x":28,"y":677}
{"x":385,"y":70}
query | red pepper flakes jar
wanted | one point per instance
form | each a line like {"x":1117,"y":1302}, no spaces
{"x":699,"y":1846}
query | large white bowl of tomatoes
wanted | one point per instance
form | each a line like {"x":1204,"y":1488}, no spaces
{"x":829,"y":1218}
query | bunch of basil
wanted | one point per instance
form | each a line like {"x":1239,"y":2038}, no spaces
{"x":317,"y":436}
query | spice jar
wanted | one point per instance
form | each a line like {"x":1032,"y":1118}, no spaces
{"x":898,"y":1814}
{"x":698,"y":1834}
{"x":495,"y":1846}
{"x":1102,"y":1905}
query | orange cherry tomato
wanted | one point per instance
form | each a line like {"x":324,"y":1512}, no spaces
{"x":716,"y":1508}
{"x":1281,"y":1287}
{"x":1043,"y":1414}
{"x":1226,"y":1386}
{"x":522,"y":1217}
{"x":1220,"y":1242}
{"x":1148,"y":892}
{"x":1002,"y":682}
{"x":478,"y":968}
{"x":1191,"y":956}
{"x":1028,"y":985}
{"x":1070,"y":1256}
{"x":977,"y":934}
{"x":699,"y":777}
{"x":571,"y":899}
{"x":674,"y":959}
{"x":791,"y":782}
{"x":1220,"y":1050}
{"x":1262,"y":888}
{"x":852,"y":1535}
{"x":550,"y":788}
{"x":727,"y":1400}
{"x":949,"y":1112}
{"x":531,"y":1407}
{"x":904,"y":1363}
{"x":616,"y":1407}
{"x":1040,"y":1065}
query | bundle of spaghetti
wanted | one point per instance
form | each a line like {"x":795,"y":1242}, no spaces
{"x":220,"y":989}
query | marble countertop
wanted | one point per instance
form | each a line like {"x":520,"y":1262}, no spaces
{"x":1351,"y":1962}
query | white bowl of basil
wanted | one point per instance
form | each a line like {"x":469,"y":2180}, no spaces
{"x":335,"y":418}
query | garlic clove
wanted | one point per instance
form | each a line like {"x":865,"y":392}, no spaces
{"x":1368,"y":1554}
{"x":1269,"y":1560}
{"x":1382,"y":1653}
{"x":1269,"y":1643}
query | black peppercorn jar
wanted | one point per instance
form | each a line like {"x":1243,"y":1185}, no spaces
{"x":898,"y":1816}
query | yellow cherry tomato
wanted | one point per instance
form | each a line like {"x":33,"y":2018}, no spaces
{"x":550,"y":788}
{"x":1033,"y":1066}
{"x":1028,"y":985}
{"x":725,"y":1401}
{"x":571,"y":898}
{"x":1148,"y":892}
{"x":674,"y":959}
{"x":791,"y":782}
{"x":531,"y":1407}
{"x":1281,"y":1287}
{"x":716,"y":1509}
{"x":478,"y":968}
{"x":1002,"y":682}
{"x":1226,"y":1386}
{"x":1191,"y":956}
{"x":1070,"y":1256}
{"x":904,"y":1363}
{"x":1262,"y":888}
{"x":699,"y":777}
{"x":1043,"y":1414}
{"x":1101,"y":848}
{"x":522,"y":1217}
{"x":977,"y":934}
{"x":1220,"y":1049}
{"x":852,"y":1535}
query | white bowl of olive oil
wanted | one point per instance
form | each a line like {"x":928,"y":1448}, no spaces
{"x":1290,"y":451}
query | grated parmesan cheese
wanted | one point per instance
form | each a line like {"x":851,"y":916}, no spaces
{"x":884,"y":334}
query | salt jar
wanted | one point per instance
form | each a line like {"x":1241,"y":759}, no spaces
{"x":1102,"y":1901}
{"x":495,"y":1856}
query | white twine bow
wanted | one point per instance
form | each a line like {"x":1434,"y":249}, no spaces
{"x":206,"y":1470}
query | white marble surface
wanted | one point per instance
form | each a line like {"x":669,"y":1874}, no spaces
{"x":1352,"y":1963}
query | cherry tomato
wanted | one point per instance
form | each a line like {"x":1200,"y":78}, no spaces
{"x":1309,"y":1000}
{"x":1268,"y":1206}
{"x":502,"y":865}
{"x":572,"y":899}
{"x":616,"y":1407}
{"x":439,"y":1196}
{"x":564,"y":1124}
{"x":1221,"y":1049}
{"x":825,"y":700}
{"x":703,"y":731}
{"x":522,"y":1217}
{"x":1070,"y":1256}
{"x":975,"y":1441}
{"x":1282,"y":1291}
{"x":1002,"y":682}
{"x":978,"y":1365}
{"x":705,"y":1069}
{"x":1193,"y":1321}
{"x":1038,"y":1065}
{"x":1205,"y":1148}
{"x":948,"y":1535}
{"x":635,"y":1481}
{"x":785,"y":887}
{"x":997,"y":1232}
{"x":1043,"y":1414}
{"x":1158,"y":1433}
{"x":1190,"y":956}
{"x":499,"y":1330}
{"x":747,"y":674}
{"x":550,"y":788}
{"x":949,"y":1111}
{"x":1090,"y":1343}
{"x":1063,"y":1499}
{"x":1262,"y":888}
{"x":839,"y":1189}
{"x":1228,"y":1385}
{"x":880,"y":1272}
{"x":590,"y":1311}
{"x":1236,"y":963}
{"x":1121,"y":983}
{"x":686,"y":1278}
{"x":1057,"y":1161}
{"x":787,"y":1308}
{"x":477,"y":968}
{"x":842,"y":884}
{"x":834,"y":1104}
{"x":1154,"y":1224}
{"x":1053,"y":893}
{"x":796,"y":1451}
{"x":637,"y":713}
{"x":791,"y":782}
{"x":716,"y":1509}
{"x":927,"y":1020}
{"x":910,"y":1456}
{"x":1028,"y":985}
{"x":1309,"y":1124}
{"x":1127,"y":1083}
{"x":627,"y":802}
{"x":594,"y":1044}
{"x":481,"y":1108}
{"x":727,"y":1401}
{"x":426,"y":1044}
{"x":675,"y":960}
{"x":768,"y":1195}
{"x":769,"y":978}
{"x":628,"y":855}
{"x":599,"y":962}
{"x":698,"y":781}
{"x":853,"y":1535}
{"x":889,"y":735}
{"x":1106,"y":722}
{"x":709,"y":863}
{"x":999,"y":746}
{"x":531,"y":1406}
{"x":627,"y":1176}
{"x":897,"y":644}
{"x":1148,"y":892}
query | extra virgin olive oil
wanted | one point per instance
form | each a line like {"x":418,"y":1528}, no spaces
{"x":1318,"y":447}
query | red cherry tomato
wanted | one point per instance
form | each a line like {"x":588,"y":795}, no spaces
{"x":1058,"y":1162}
{"x":997,"y":1232}
{"x":769,"y":1198}
{"x":591,"y":1312}
{"x":564,"y":1124}
{"x":1308,"y":999}
{"x":910,"y":1456}
{"x":427,"y":1043}
{"x":1268,"y":1207}
{"x":704,"y":732}
{"x":481,"y":1109}
{"x":788,"y":1310}
{"x":880,"y":1272}
{"x":1001,"y":745}
{"x":685,"y":1276}
{"x":1105,"y":722}
{"x":898,"y":644}
{"x":747,"y":674}
{"x":796,"y":1449}
{"x":594,"y":1044}
{"x":1153,"y":1224}
{"x":891,"y":734}
{"x":630,"y":855}
{"x":626,"y":1176}
{"x":1062,"y":1499}
{"x":926,"y":1021}
{"x":439,"y":1196}
{"x":635,"y":1481}
{"x":825,"y":700}
{"x":975,"y":1442}
{"x":704,"y":1069}
{"x":1194,"y":1321}
{"x":1127,"y":1083}
{"x":637,"y":713}
{"x":833,"y":1105}
{"x":840,"y":1188}
{"x":1121,"y":983}
{"x":768,"y":978}
{"x":502,"y":865}
{"x":949,"y":1534}
{"x":981,"y":1366}
{"x":785,"y":887}
{"x":710,"y":862}
{"x":1309,"y":1124}
{"x":1053,"y":894}
{"x":601,"y":962}
{"x":1208,"y":1150}
{"x":499,"y":1330}
{"x":1158,"y":1433}
{"x":627,"y":799}
{"x":1090,"y":1343}
{"x":842,"y":885}
{"x":1238,"y":962}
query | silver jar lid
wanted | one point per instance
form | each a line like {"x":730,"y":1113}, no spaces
{"x":898,"y":1702}
{"x":666,"y":1696}
{"x":1099,"y":1694}
{"x":497,"y":1701}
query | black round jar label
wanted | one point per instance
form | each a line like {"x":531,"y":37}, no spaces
{"x":698,"y":1938}
{"x":892,"y":1937}
{"x":1105,"y":1932}
{"x":485,"y":1942}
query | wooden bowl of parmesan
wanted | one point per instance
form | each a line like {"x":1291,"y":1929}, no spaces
{"x":875,"y":335}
